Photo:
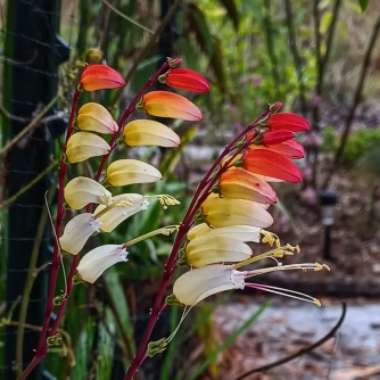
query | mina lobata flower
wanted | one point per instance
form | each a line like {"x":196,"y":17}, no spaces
{"x":237,"y":182}
{"x":84,"y":145}
{"x":223,"y":212}
{"x":100,"y":77}
{"x":77,"y":231}
{"x":288,"y":121}
{"x":81,"y":191}
{"x":272,"y":164}
{"x":96,"y":118}
{"x":149,"y":132}
{"x":170,"y":104}
{"x":95,"y":262}
{"x":289,"y":148}
{"x":187,"y":79}
{"x":129,"y":171}
{"x":121,"y":208}
{"x":196,"y":285}
{"x":211,"y":249}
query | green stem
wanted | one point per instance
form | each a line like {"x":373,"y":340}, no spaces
{"x":168,"y":230}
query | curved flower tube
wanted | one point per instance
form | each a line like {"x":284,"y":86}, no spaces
{"x":93,"y":264}
{"x":128,"y":171}
{"x":288,"y":121}
{"x":198,"y":284}
{"x":145,"y":132}
{"x":187,"y":79}
{"x":121,"y":208}
{"x":77,"y":231}
{"x":240,"y":183}
{"x":100,"y":77}
{"x":239,"y":232}
{"x":170,"y":104}
{"x":223,"y":212}
{"x":84,"y":145}
{"x":81,"y":191}
{"x":208,"y":249}
{"x":96,"y":118}
{"x":269,"y":163}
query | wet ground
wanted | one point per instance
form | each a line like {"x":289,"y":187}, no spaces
{"x":287,"y":326}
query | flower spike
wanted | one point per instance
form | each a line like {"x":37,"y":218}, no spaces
{"x":100,"y":77}
{"x":187,"y":79}
{"x":169,"y":104}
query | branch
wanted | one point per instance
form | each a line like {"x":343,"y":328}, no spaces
{"x":296,"y":57}
{"x":301,"y":352}
{"x":355,"y":102}
{"x":28,"y":128}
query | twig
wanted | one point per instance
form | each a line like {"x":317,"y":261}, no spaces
{"x":28,"y":128}
{"x":148,"y":47}
{"x":296,"y":57}
{"x":28,"y":186}
{"x":126,"y":17}
{"x":300,"y":352}
{"x":355,"y":102}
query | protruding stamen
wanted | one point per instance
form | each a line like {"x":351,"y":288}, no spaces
{"x":285,"y":292}
{"x":316,"y":267}
{"x":270,"y":238}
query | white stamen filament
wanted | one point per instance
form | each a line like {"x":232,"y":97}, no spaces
{"x":285,"y":292}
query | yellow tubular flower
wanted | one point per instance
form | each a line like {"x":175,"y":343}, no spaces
{"x":121,"y":208}
{"x":96,"y":118}
{"x":77,"y":231}
{"x":84,"y":145}
{"x":81,"y":191}
{"x":223,"y":212}
{"x":198,"y":284}
{"x":149,"y":132}
{"x":207,"y":250}
{"x":95,"y":262}
{"x":242,"y":233}
{"x":129,"y":171}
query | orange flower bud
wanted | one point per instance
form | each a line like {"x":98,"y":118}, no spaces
{"x":169,"y":104}
{"x":100,"y":77}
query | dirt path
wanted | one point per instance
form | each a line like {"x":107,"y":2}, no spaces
{"x":287,"y":326}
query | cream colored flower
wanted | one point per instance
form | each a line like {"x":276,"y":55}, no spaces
{"x":81,"y":191}
{"x":77,"y":231}
{"x":149,"y":132}
{"x":84,"y":145}
{"x":96,"y":118}
{"x":121,"y":208}
{"x":95,"y":262}
{"x":198,"y":284}
{"x":223,"y":212}
{"x":129,"y":171}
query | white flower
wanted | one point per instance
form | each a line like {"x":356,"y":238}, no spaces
{"x":77,"y":231}
{"x":198,"y":284}
{"x":96,"y":261}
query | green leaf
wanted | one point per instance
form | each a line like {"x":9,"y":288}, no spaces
{"x":363,"y":4}
{"x":229,"y":341}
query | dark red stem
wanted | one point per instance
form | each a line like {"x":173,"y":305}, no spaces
{"x":203,"y":190}
{"x":56,"y":256}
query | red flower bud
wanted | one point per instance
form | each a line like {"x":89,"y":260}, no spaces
{"x":276,"y":137}
{"x":287,"y":121}
{"x":186,"y":79}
